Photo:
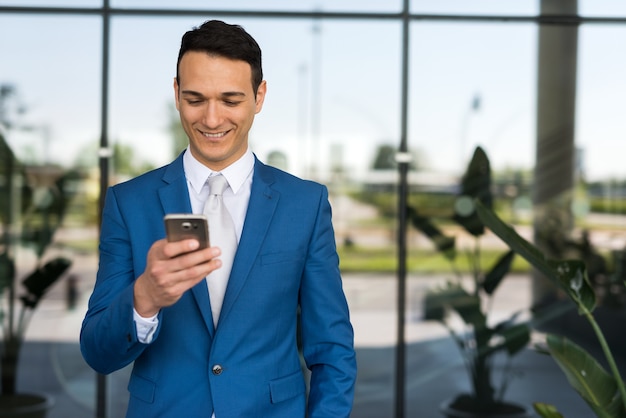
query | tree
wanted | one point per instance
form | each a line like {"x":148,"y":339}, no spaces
{"x":179,"y":137}
{"x":385,"y":159}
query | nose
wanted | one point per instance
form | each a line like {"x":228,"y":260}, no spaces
{"x":212,"y":117}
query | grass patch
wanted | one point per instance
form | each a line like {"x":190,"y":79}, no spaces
{"x":385,"y":260}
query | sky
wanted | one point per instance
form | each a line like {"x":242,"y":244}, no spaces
{"x":351,"y":68}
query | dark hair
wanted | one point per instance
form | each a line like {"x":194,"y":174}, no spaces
{"x":229,"y":41}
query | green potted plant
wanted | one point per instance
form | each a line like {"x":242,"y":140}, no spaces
{"x":480,"y":342}
{"x":604,"y":392}
{"x":36,"y":201}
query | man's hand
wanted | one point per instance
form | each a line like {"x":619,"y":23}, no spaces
{"x":171,"y":269}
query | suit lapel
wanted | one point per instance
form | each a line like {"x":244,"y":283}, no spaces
{"x":174,"y":196}
{"x":261,"y":207}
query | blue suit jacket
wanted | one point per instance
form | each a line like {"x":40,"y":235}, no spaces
{"x":286,"y":259}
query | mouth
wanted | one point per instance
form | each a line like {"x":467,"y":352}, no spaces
{"x":214,"y":135}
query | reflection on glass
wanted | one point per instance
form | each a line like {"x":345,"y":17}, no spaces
{"x":49,"y":117}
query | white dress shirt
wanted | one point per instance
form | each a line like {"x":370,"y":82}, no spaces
{"x":236,"y":198}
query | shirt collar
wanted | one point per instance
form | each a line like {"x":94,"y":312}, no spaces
{"x":236,"y":173}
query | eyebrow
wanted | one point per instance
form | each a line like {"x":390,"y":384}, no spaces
{"x":224,"y":94}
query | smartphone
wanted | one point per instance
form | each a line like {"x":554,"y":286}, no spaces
{"x":179,"y":226}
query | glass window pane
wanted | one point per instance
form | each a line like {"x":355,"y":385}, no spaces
{"x":472,"y":84}
{"x":600,"y":125}
{"x":333,"y":100}
{"x":54,"y":69}
{"x":49,"y":116}
{"x":283,"y":5}
{"x":141,"y":91}
{"x":51,"y":3}
{"x":604,"y":8}
{"x":321,"y":87}
{"x":476,"y":7}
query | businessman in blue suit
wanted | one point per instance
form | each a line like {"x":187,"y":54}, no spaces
{"x":200,"y":354}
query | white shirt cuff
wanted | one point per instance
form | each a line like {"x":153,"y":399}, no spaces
{"x":145,"y":327}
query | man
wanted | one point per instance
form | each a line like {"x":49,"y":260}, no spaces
{"x":155,"y":303}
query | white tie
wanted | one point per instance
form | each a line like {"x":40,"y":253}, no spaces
{"x":221,"y":234}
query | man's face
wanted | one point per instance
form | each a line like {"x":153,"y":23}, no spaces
{"x":217,"y":107}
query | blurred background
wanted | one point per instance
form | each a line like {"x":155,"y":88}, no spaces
{"x":383,"y":101}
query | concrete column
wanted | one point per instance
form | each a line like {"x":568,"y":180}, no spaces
{"x":555,"y":149}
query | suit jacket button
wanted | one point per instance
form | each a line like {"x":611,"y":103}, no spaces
{"x":217,"y":370}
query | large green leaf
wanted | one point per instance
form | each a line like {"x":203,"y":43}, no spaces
{"x":597,"y":387}
{"x":570,"y":275}
{"x":518,"y":244}
{"x":516,"y":337}
{"x":546,"y":410}
{"x":445,"y":245}
{"x":476,"y":181}
{"x":467,"y":306}
{"x":454,"y":297}
{"x":434,"y":305}
{"x":9,"y":167}
{"x":38,"y":282}
{"x":465,"y":215}
{"x":475,"y":185}
{"x":497,"y":272}
{"x":7,"y":271}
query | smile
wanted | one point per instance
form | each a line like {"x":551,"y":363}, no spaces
{"x":214,"y":135}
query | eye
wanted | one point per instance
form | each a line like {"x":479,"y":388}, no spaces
{"x":194,"y":102}
{"x":231,"y":103}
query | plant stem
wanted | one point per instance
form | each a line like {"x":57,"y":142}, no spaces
{"x":607,"y":352}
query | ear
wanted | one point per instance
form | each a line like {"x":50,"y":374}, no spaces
{"x":260,"y":96}
{"x":176,"y":96}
